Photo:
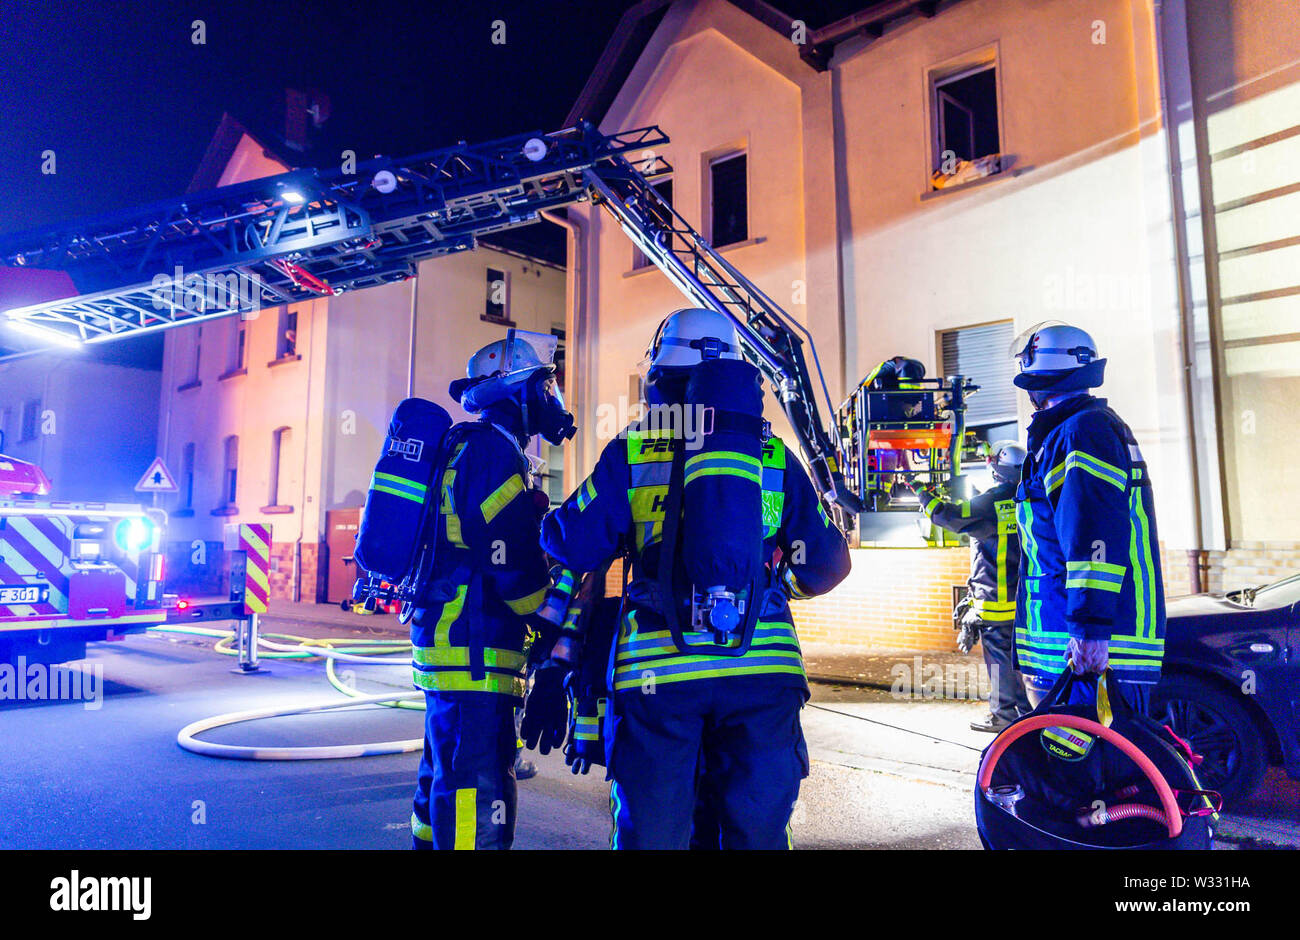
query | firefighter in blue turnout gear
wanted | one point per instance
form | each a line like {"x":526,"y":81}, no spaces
{"x":896,"y":374}
{"x":1091,"y":589}
{"x":990,"y":521}
{"x":473,"y":617}
{"x":706,"y":669}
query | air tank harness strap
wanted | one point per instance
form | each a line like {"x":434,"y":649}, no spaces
{"x":473,"y":608}
{"x":662,"y":595}
{"x":719,"y":419}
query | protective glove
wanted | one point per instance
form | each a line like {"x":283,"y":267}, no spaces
{"x":546,"y":710}
{"x":1088,"y":656}
{"x":967,"y":635}
{"x":586,"y":745}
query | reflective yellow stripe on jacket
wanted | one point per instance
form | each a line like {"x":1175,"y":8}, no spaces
{"x":651,"y":657}
{"x":446,"y":668}
{"x":649,"y":458}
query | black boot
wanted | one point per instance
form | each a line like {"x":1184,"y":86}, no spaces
{"x":990,"y":724}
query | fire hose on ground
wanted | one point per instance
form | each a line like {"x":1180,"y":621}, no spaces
{"x":299,"y":647}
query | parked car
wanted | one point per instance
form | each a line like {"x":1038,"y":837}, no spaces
{"x":1231,"y":683}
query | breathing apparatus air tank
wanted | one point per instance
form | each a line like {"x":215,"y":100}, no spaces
{"x":392,"y":536}
{"x":722,"y":495}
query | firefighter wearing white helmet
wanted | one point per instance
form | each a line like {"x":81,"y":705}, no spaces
{"x":488,"y":578}
{"x":1091,"y":589}
{"x":682,"y":340}
{"x":989,"y":519}
{"x":512,"y":382}
{"x":707,"y":679}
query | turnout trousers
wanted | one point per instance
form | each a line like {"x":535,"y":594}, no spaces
{"x":465,"y":795}
{"x":744,"y":730}
{"x":1007,"y":699}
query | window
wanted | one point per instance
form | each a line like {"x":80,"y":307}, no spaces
{"x":198,"y":356}
{"x":31,"y":420}
{"x":230,"y":471}
{"x":965,"y":116}
{"x":287,"y":343}
{"x":728,"y":199}
{"x":980,"y":353}
{"x":187,"y":476}
{"x":239,"y":348}
{"x":279,"y":449}
{"x":497,"y":307}
{"x":664,"y":188}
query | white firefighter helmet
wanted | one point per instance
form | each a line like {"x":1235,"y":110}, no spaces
{"x":691,"y":335}
{"x":1056,"y":356}
{"x":1005,"y":459}
{"x":502,"y":369}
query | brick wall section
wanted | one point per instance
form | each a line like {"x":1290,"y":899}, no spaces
{"x":1174,"y":569}
{"x":1243,"y":564}
{"x":282,"y":585}
{"x":901,"y":599}
{"x":1250,"y":564}
{"x":893,"y":599}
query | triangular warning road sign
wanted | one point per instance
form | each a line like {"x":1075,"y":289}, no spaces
{"x":157,"y":479}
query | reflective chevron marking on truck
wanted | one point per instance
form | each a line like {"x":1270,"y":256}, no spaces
{"x":34,"y":549}
{"x":255,"y":540}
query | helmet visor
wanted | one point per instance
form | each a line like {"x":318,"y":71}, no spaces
{"x":520,"y":353}
{"x":524,"y":349}
{"x":1022,"y":347}
{"x":550,"y":391}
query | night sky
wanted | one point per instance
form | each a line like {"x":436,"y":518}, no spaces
{"x":128,"y":102}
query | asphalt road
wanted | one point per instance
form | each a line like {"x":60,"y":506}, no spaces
{"x":114,"y":777}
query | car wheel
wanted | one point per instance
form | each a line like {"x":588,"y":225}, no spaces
{"x":1219,"y":728}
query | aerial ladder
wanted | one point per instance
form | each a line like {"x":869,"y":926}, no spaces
{"x":314,"y":232}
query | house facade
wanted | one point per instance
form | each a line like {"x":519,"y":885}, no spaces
{"x":89,"y":425}
{"x":930,"y":179}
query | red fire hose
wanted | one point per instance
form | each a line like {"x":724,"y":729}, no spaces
{"x":1172,"y":816}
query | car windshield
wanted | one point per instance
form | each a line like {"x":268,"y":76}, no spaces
{"x":1270,"y":596}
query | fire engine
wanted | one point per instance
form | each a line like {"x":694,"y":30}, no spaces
{"x":74,"y":572}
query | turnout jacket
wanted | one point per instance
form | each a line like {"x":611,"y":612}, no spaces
{"x":990,"y":521}
{"x":1090,"y":568}
{"x":490,"y":573}
{"x":622,"y":504}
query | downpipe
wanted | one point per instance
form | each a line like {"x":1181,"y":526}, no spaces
{"x":1196,"y":556}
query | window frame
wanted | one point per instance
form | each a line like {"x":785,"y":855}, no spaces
{"x":30,"y":406}
{"x":712,"y":160}
{"x":278,"y":440}
{"x":504,"y":319}
{"x":954,"y":70}
{"x":286,"y":320}
{"x":189,"y":463}
{"x":197,"y":361}
{"x":1014,"y":415}
{"x":230,"y":471}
